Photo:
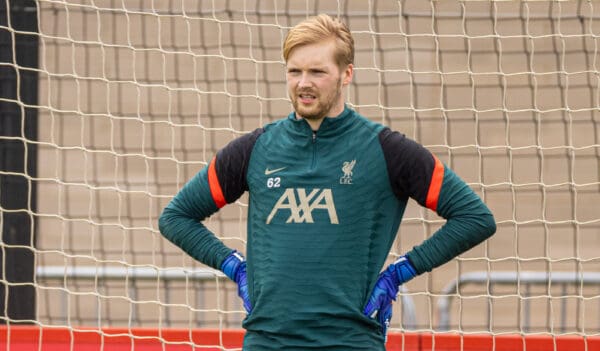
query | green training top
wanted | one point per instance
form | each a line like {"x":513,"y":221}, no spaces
{"x":324,"y":210}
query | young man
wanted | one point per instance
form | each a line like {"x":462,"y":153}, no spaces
{"x":328,"y":189}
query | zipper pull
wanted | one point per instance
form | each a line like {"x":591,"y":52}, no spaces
{"x":314,"y":136}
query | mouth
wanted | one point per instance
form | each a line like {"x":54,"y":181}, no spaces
{"x":306,"y":98}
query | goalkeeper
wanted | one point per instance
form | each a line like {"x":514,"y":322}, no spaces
{"x":328,"y":189}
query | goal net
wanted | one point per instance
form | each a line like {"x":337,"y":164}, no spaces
{"x":134,"y":97}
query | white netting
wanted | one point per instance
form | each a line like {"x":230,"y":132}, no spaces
{"x":136,"y":96}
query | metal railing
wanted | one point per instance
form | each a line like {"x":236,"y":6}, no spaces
{"x":524,"y":278}
{"x":165,"y":275}
{"x":101,"y":275}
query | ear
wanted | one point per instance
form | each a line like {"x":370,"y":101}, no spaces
{"x":347,"y":74}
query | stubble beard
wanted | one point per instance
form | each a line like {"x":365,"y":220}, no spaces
{"x":322,"y":108}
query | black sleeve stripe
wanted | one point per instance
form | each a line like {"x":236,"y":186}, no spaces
{"x":232,"y":165}
{"x":410,"y":165}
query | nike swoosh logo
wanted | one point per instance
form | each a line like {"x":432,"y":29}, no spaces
{"x":271,"y":171}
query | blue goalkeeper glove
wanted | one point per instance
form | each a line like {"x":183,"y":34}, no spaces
{"x":386,"y":289}
{"x":234,"y":267}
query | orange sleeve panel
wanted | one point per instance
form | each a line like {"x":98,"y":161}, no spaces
{"x":413,"y":170}
{"x":215,"y":187}
{"x":435,"y":185}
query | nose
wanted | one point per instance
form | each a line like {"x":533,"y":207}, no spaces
{"x":304,"y":80}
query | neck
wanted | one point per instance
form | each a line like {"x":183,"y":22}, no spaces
{"x":315,"y":123}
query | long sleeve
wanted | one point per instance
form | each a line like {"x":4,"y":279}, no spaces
{"x":222,"y":182}
{"x":181,"y":222}
{"x":416,"y":173}
{"x":468,"y":223}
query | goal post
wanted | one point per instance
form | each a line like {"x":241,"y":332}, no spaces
{"x":132,"y":98}
{"x":18,"y":158}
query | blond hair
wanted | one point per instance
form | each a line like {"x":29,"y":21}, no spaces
{"x":321,"y":28}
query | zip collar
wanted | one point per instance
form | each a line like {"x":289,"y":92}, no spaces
{"x":329,"y":125}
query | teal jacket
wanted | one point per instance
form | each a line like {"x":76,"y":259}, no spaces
{"x":324,"y":210}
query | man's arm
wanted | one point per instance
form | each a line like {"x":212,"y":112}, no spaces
{"x":468,"y":223}
{"x":181,"y":222}
{"x":415,"y":172}
{"x":223,"y":181}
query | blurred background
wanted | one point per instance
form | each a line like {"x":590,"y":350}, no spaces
{"x":109,"y":106}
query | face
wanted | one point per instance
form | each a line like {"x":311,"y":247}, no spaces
{"x":315,"y":82}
